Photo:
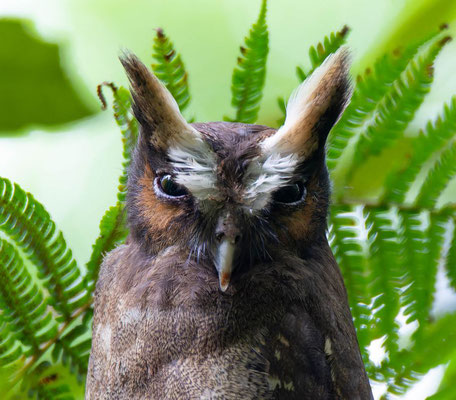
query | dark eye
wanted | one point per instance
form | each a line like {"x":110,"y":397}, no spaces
{"x":290,"y":194}
{"x":170,"y":188}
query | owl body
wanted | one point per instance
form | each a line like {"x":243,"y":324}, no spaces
{"x":160,"y":338}
{"x":226,"y":287}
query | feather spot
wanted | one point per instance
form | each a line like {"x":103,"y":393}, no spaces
{"x":283,"y":340}
{"x":328,"y":347}
{"x":105,"y":332}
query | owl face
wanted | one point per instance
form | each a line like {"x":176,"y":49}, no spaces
{"x":229,"y":194}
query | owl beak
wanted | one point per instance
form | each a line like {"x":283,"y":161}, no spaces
{"x":224,"y":264}
{"x":227,"y":235}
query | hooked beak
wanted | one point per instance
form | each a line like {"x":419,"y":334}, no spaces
{"x":227,"y":235}
{"x":224,"y":263}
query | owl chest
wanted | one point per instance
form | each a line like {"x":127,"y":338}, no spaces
{"x":183,"y":354}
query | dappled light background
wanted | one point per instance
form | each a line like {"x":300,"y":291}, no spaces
{"x":72,"y":166}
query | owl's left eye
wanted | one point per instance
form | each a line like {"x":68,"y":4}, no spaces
{"x":290,"y":194}
{"x":169,"y":187}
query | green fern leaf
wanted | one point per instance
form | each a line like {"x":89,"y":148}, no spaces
{"x":371,"y":88}
{"x":26,"y":222}
{"x":170,"y":69}
{"x":249,"y":76}
{"x":112,"y":233}
{"x":348,"y":251}
{"x":434,"y":347}
{"x":436,"y":136}
{"x":128,"y":128}
{"x":396,"y":110}
{"x":422,"y":251}
{"x":438,"y":178}
{"x":113,"y":229}
{"x":22,"y":303}
{"x":385,"y":275}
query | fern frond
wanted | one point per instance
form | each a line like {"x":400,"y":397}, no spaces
{"x":434,"y":347}
{"x":438,"y":178}
{"x":128,"y":128}
{"x":27,"y":222}
{"x":170,"y":69}
{"x":318,"y":53}
{"x":396,"y":110}
{"x":370,"y":89}
{"x":422,"y":250}
{"x":249,"y":76}
{"x":348,"y":251}
{"x":22,"y":303}
{"x":113,"y":232}
{"x":436,"y":136}
{"x":385,"y":276}
{"x":113,"y":229}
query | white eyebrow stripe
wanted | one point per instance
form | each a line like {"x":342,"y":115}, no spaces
{"x":195,"y":168}
{"x":264,"y":176}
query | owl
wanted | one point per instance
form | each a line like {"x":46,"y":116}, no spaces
{"x":227,"y":287}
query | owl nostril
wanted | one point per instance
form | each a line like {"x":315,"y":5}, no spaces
{"x":219,"y":236}
{"x":237,"y":238}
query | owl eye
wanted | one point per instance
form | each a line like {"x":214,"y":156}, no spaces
{"x":170,"y":188}
{"x":290,"y":194}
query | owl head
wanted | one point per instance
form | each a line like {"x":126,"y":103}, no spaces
{"x":230,"y":195}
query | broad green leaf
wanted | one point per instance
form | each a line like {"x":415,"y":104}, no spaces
{"x":35,"y":90}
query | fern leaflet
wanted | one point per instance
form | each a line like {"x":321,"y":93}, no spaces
{"x":436,"y":136}
{"x":438,"y":178}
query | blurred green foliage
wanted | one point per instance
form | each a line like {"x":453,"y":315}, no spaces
{"x":35,"y":90}
{"x":377,"y":170}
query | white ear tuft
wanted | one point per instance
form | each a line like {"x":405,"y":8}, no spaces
{"x":313,"y":108}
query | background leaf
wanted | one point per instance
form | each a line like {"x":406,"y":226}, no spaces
{"x":35,"y":90}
